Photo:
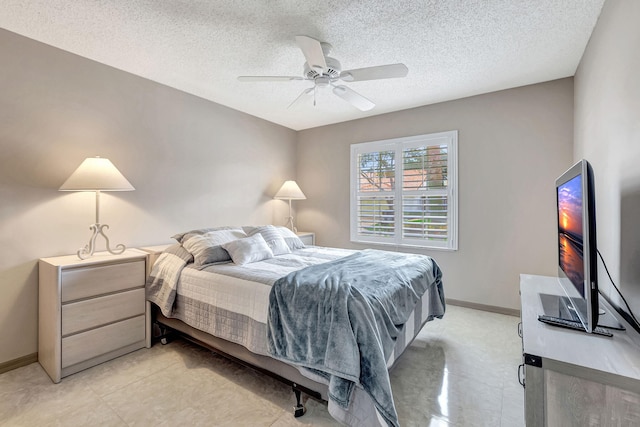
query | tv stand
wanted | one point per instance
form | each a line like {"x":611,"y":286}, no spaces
{"x":574,"y":378}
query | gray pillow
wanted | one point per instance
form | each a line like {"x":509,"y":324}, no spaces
{"x":274,"y":239}
{"x":207,"y":248}
{"x":248,"y":249}
{"x":180,"y":237}
{"x":293,"y":241}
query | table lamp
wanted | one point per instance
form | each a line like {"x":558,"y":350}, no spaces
{"x":290,"y":191}
{"x":97,"y":174}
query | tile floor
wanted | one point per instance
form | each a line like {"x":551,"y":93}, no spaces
{"x":460,"y":371}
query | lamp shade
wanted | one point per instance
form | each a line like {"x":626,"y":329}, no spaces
{"x":96,"y":174}
{"x":290,"y":191}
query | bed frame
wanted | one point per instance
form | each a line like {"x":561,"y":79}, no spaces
{"x":236,"y":352}
{"x":281,"y":371}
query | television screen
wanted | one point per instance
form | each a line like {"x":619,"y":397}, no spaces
{"x":570,"y":235}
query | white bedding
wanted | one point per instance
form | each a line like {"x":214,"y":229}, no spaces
{"x":234,"y":288}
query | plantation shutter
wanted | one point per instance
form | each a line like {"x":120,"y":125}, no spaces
{"x":424,"y":193}
{"x":403,"y":191}
{"x":376,"y":193}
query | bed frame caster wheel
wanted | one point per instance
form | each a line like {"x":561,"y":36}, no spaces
{"x":165,"y":334}
{"x":298,"y":410}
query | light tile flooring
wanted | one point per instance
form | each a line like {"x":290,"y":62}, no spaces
{"x":460,"y":371}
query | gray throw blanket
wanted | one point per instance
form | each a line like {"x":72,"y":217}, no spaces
{"x":340,"y":319}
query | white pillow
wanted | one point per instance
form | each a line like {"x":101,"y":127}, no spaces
{"x":274,"y":239}
{"x":248,"y":249}
{"x":292,"y":239}
{"x":206,"y":248}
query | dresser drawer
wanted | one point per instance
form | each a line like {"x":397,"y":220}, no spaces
{"x":86,"y":345}
{"x":91,"y":281}
{"x":94,"y":312}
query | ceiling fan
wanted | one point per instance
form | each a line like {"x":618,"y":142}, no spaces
{"x":326,"y":72}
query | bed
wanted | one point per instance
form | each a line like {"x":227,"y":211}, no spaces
{"x":330,"y":322}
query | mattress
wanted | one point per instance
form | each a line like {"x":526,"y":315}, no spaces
{"x":231,"y":301}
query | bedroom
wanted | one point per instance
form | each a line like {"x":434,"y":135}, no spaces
{"x":178,"y":148}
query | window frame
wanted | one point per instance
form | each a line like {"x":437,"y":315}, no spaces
{"x":448,"y":138}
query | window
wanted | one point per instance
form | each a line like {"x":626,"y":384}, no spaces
{"x":403,"y":191}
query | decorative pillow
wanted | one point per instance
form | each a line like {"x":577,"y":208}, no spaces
{"x":274,"y":239}
{"x":293,"y":241}
{"x":248,"y":249}
{"x":181,"y":237}
{"x":206,"y":248}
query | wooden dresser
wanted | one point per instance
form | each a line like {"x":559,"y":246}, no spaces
{"x":90,"y":311}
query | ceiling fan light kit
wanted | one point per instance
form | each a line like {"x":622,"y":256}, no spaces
{"x":325,"y":71}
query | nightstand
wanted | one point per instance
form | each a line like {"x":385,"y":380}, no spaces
{"x":90,"y":311}
{"x":307,"y":237}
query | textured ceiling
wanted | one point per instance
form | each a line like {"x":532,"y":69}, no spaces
{"x":453,"y":48}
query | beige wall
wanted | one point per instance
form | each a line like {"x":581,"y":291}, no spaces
{"x":607,"y":134}
{"x":512,"y":145}
{"x":193,"y":163}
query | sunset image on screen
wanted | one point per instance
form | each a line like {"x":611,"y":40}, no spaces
{"x":570,"y":231}
{"x":570,"y":207}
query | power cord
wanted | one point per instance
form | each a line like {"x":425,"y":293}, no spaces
{"x":618,"y":290}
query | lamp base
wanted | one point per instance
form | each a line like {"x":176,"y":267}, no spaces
{"x":88,"y":250}
{"x":290,"y":224}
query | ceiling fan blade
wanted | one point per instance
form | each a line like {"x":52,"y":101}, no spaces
{"x":305,"y":93}
{"x":268,"y":78}
{"x":354,"y":98}
{"x":374,"y":73}
{"x":312,"y":51}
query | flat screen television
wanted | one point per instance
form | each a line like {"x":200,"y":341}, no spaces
{"x":577,"y":252}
